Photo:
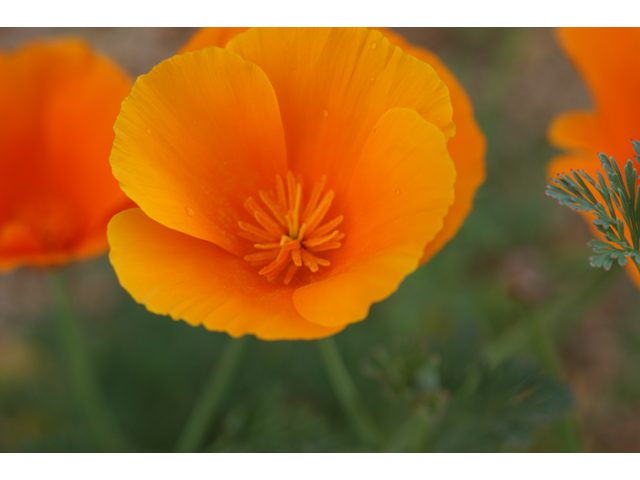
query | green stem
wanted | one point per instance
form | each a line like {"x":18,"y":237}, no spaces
{"x":561,"y":314}
{"x":411,"y":436}
{"x":346,"y":392}
{"x":567,"y":308}
{"x":81,"y":375}
{"x":569,"y":429}
{"x":211,"y":397}
{"x":543,"y":345}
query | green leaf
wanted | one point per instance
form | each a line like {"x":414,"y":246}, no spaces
{"x":505,"y":409}
{"x":469,"y":406}
{"x":617,"y":190}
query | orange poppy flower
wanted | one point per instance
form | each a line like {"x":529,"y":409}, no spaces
{"x":608,"y":60}
{"x":285,"y":182}
{"x":58,"y":102}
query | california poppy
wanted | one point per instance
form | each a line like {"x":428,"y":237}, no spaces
{"x":285,"y":182}
{"x":608,"y":59}
{"x":58,"y":102}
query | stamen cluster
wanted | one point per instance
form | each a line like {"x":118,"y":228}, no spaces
{"x":290,"y":239}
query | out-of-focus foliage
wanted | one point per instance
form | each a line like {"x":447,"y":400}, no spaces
{"x":463,"y":403}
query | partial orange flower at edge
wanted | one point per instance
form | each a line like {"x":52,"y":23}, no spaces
{"x":608,"y":60}
{"x":58,"y":102}
{"x":205,"y":131}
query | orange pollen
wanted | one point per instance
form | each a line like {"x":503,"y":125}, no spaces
{"x":289,"y":233}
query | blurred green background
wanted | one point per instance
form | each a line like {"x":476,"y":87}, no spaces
{"x":505,"y":341}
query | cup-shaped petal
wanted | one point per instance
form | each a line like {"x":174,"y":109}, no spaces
{"x":175,"y":274}
{"x":401,"y":190}
{"x":333,"y":85}
{"x":467,"y":148}
{"x":198,"y":135}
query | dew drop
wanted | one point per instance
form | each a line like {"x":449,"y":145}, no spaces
{"x":375,"y":130}
{"x":373,"y":45}
{"x":372,"y":78}
{"x":325,"y":113}
{"x":148,"y":131}
{"x":189,"y":211}
{"x":397,"y":192}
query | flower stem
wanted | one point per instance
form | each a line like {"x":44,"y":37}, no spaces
{"x":569,"y":429}
{"x":211,"y":397}
{"x":81,"y":375}
{"x":346,"y":392}
{"x":411,"y":436}
{"x":561,"y":314}
{"x":554,"y":319}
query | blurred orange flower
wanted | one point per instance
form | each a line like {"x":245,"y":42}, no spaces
{"x":58,"y":103}
{"x":285,"y":182}
{"x":608,"y":60}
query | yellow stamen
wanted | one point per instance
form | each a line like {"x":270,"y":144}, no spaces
{"x":296,"y":257}
{"x":267,"y":222}
{"x":290,"y":273}
{"x":273,"y":205}
{"x":266,"y":246}
{"x":250,"y":236}
{"x":324,"y":247}
{"x":309,"y":261}
{"x":280,"y":191}
{"x":257,"y":232}
{"x":327,"y":227}
{"x":256,"y":257}
{"x":318,"y":214}
{"x":313,"y":200}
{"x":314,"y":242}
{"x":291,"y":234}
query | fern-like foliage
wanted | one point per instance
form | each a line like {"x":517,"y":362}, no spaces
{"x":618,"y":191}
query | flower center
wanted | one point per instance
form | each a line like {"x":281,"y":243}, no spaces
{"x":292,"y":235}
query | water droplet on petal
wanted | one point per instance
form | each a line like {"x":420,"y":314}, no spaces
{"x":148,"y":131}
{"x":375,"y":130}
{"x":373,"y":45}
{"x":372,"y":78}
{"x":325,"y":113}
{"x":397,"y":192}
{"x":189,"y":211}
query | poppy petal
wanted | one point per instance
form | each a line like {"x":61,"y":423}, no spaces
{"x":467,"y":148}
{"x":333,"y":85}
{"x":211,"y":37}
{"x":577,"y":131}
{"x":194,"y":280}
{"x":197,"y":136}
{"x":401,"y":190}
{"x":610,"y":67}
